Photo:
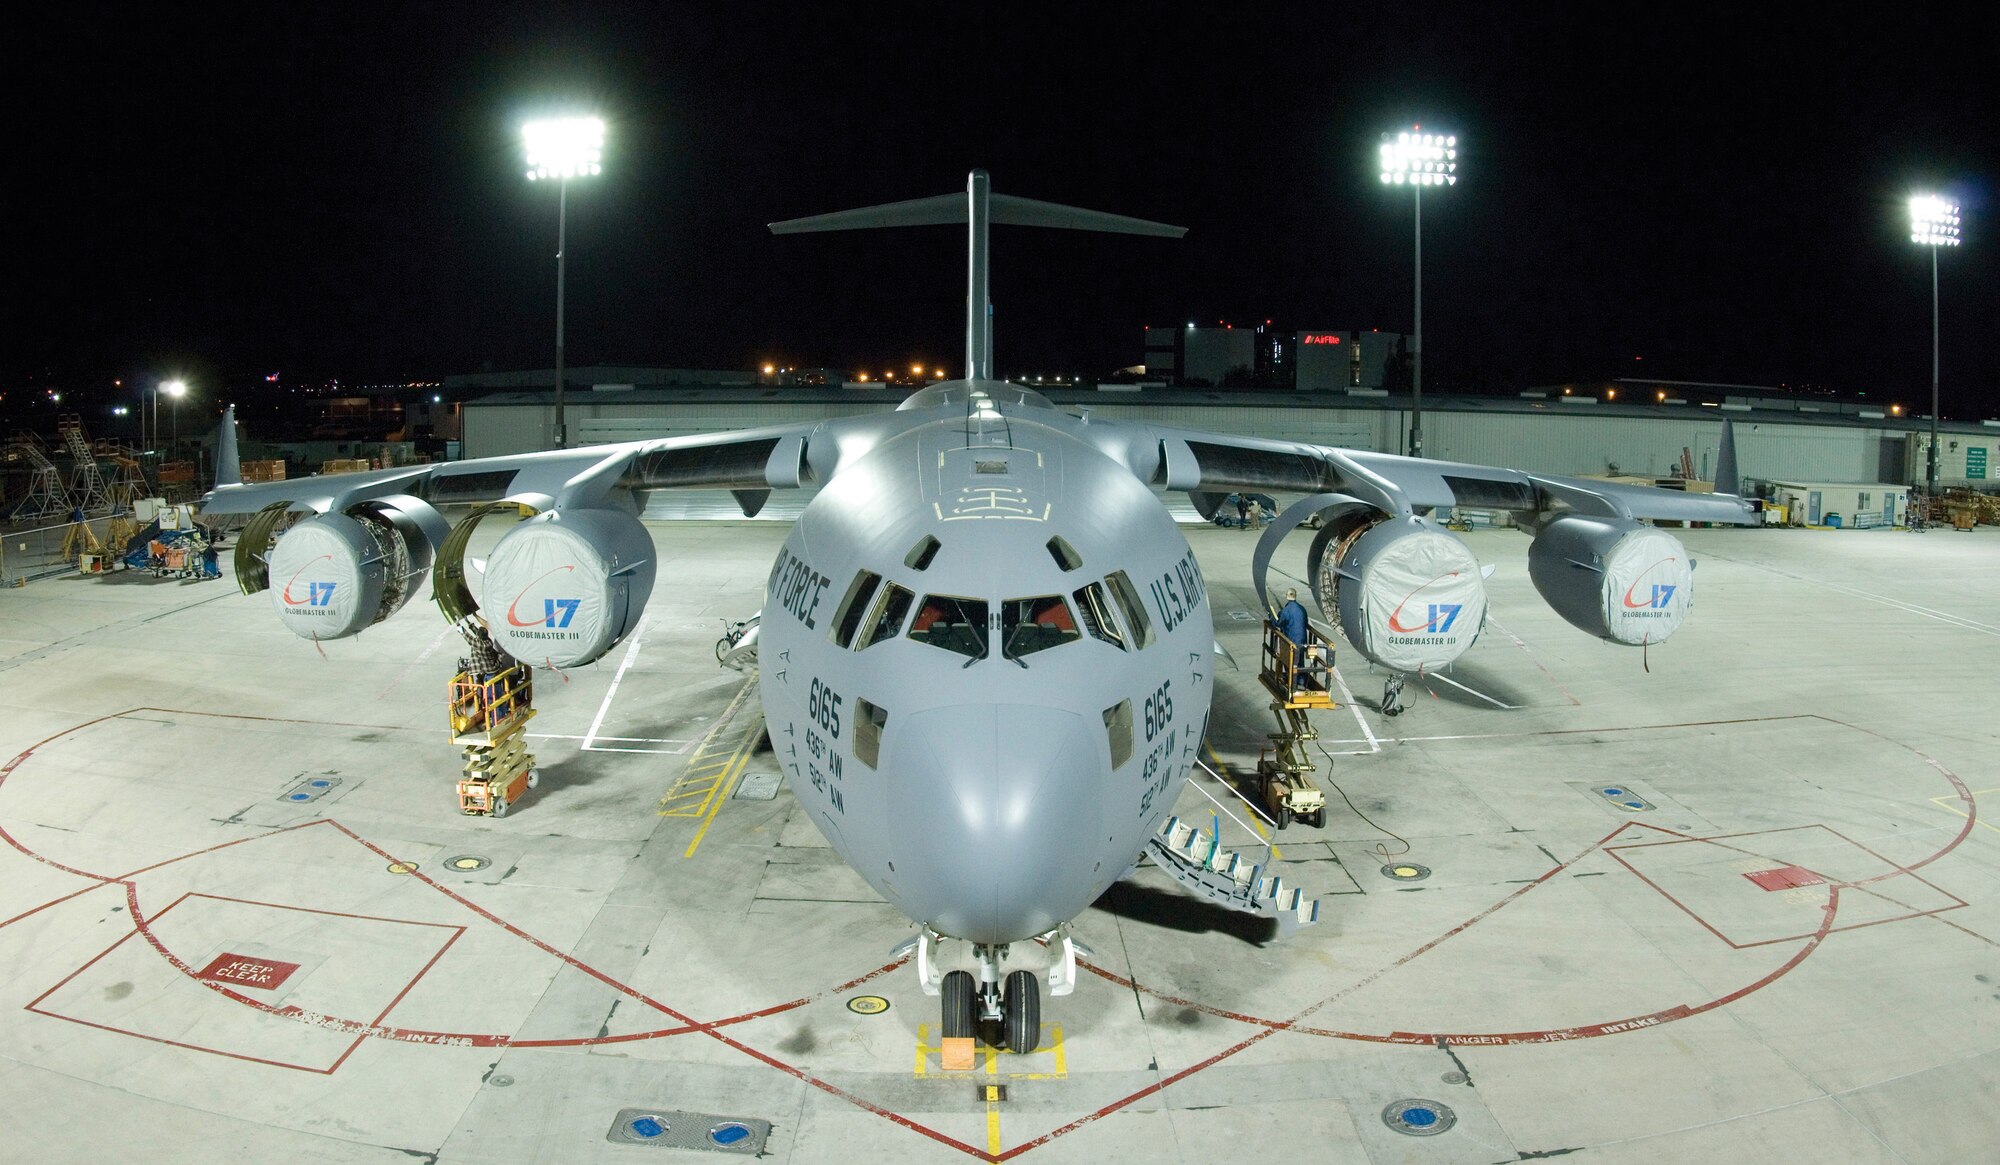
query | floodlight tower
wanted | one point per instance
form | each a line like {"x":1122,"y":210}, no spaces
{"x":1934,"y":224}
{"x":175,"y":389}
{"x":563,"y":148}
{"x":1417,"y":159}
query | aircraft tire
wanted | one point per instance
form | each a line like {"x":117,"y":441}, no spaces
{"x":1022,"y":1006}
{"x":959,"y":1005}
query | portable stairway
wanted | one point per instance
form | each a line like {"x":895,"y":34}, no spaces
{"x":87,"y":489}
{"x":1197,"y":860}
{"x":46,"y":496}
{"x":1299,"y":678}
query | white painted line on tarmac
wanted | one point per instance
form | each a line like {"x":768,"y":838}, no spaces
{"x":1469,"y":691}
{"x":631,"y":653}
{"x":1347,"y":695}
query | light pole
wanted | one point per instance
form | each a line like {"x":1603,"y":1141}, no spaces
{"x":563,"y":148}
{"x":1934,"y":224}
{"x":1416,"y":159}
{"x":176,"y":389}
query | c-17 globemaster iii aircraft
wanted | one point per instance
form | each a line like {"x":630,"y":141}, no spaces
{"x":986,"y":652}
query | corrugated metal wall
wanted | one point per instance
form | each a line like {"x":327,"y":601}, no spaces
{"x":1548,"y":442}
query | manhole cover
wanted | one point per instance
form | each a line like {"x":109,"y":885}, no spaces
{"x":868,"y":1005}
{"x":1405,"y":872}
{"x":674,"y":1129}
{"x":1418,"y":1118}
{"x":466,"y":863}
{"x":402,"y":867}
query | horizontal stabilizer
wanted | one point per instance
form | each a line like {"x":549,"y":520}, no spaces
{"x":917,"y":212}
{"x":947,"y":209}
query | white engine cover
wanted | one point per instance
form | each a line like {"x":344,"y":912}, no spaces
{"x":1407,"y":594}
{"x":562,"y":588}
{"x":1618,"y":580}
{"x":328,"y":574}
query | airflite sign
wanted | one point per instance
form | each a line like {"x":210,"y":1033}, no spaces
{"x":1315,"y":338}
{"x":244,"y":971}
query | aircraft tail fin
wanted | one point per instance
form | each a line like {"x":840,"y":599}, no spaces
{"x":978,"y":208}
{"x":1726,"y":480}
{"x":228,"y":468}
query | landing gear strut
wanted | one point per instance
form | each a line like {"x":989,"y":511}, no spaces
{"x":1001,"y":1007}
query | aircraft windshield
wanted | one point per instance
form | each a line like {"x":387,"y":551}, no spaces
{"x":957,"y":625}
{"x":1037,"y":624}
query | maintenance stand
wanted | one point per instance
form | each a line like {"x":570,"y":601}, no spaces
{"x":1299,"y":678}
{"x":491,"y":702}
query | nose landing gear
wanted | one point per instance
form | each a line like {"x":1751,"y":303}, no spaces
{"x":981,"y":1004}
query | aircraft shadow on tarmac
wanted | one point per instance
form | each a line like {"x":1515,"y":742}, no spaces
{"x":1175,"y":910}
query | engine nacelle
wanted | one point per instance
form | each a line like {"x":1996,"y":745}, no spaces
{"x":564,"y":587}
{"x":1615,"y":578}
{"x":333,"y":575}
{"x":1404,"y":591}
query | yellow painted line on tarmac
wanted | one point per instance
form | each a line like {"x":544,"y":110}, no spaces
{"x":1255,"y":822}
{"x":1940,"y":803}
{"x":735,"y":769}
{"x":992,"y":1103}
{"x":694,"y":794}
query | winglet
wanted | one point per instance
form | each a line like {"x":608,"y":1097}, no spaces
{"x":1725,"y":463}
{"x":228,"y":469}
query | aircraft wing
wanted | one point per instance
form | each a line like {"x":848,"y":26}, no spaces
{"x":749,"y":463}
{"x":1211,"y":465}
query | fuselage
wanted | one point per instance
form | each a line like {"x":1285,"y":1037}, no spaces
{"x":985,"y":662}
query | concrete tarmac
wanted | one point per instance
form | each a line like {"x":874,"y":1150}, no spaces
{"x":1734,"y":898}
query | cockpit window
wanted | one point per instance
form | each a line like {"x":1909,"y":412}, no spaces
{"x":1135,"y":612}
{"x":952,"y":623}
{"x":1037,"y":624}
{"x":854,"y":606}
{"x":1094,"y":607}
{"x":889,"y":612}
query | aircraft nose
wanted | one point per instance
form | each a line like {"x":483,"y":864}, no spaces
{"x":1000,"y":808}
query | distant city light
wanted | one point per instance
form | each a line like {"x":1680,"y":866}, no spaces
{"x":1420,"y":159}
{"x":1933,"y":221}
{"x":564,"y":147}
{"x":119,"y":411}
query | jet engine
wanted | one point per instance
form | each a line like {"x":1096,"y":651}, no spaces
{"x":1615,"y":578}
{"x":333,"y":575}
{"x":1404,"y":591}
{"x":563,"y":587}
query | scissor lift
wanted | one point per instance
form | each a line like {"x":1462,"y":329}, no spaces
{"x":489,"y":714}
{"x":1300,"y":679}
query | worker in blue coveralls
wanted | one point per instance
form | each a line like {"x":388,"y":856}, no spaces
{"x":1292,"y":618}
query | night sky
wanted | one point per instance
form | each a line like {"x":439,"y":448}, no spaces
{"x":337,"y":189}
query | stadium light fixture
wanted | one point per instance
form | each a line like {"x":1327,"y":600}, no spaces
{"x":1933,"y":223}
{"x":562,"y":148}
{"x":1417,"y":159}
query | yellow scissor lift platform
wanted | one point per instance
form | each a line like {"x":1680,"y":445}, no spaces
{"x":1300,"y":679}
{"x":489,"y":720}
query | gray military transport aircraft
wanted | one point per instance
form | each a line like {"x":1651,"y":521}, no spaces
{"x":986,"y":648}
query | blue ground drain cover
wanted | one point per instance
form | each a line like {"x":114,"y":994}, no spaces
{"x":1418,"y":1118}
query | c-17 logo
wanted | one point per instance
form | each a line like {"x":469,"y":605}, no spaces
{"x":318,"y":594}
{"x":555,"y":612}
{"x":1658,"y":598}
{"x":1663,"y":593}
{"x":1437,"y":622}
